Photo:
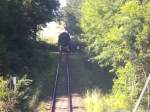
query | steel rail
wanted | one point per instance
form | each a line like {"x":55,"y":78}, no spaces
{"x":68,"y":85}
{"x":55,"y":85}
{"x":53,"y":108}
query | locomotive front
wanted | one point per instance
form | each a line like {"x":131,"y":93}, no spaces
{"x":64,"y":42}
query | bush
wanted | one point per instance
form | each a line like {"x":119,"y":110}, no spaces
{"x":9,"y":99}
{"x":23,"y":92}
{"x":6,"y":100}
{"x":95,"y":101}
{"x":3,"y":89}
{"x":119,"y":102}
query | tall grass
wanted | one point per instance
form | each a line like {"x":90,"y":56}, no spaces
{"x":95,"y":101}
{"x":3,"y":89}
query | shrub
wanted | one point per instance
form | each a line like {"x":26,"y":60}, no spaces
{"x":9,"y":99}
{"x":95,"y":101}
{"x":23,"y":92}
{"x":6,"y":100}
{"x":3,"y":89}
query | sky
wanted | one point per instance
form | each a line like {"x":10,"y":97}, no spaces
{"x":53,"y":29}
{"x":62,"y":2}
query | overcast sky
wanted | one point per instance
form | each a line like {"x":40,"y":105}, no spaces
{"x":53,"y":29}
{"x":63,"y":3}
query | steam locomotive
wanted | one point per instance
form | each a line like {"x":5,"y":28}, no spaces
{"x":67,"y":44}
{"x":64,"y":42}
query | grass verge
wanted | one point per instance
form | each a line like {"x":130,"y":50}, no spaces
{"x":96,"y":101}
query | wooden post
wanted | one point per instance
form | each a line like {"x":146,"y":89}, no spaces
{"x":14,"y":83}
{"x":148,"y":98}
{"x":141,"y":95}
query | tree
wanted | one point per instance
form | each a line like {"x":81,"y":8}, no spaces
{"x":117,"y":34}
{"x":71,"y":17}
{"x":19,"y":22}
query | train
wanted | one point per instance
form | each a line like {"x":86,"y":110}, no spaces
{"x":68,"y":44}
{"x":64,"y":42}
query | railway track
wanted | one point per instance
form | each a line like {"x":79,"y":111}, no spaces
{"x":56,"y":81}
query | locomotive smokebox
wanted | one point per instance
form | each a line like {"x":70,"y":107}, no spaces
{"x":64,"y":42}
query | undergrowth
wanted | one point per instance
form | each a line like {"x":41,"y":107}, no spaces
{"x":10,"y":100}
{"x":96,"y":101}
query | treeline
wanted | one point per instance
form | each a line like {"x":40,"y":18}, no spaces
{"x":21,"y":54}
{"x":117,"y":34}
{"x":19,"y":22}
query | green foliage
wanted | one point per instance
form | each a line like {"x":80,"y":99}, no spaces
{"x":71,"y":17}
{"x":117,"y":34}
{"x":11,"y":99}
{"x":19,"y":22}
{"x":95,"y":101}
{"x":3,"y":89}
{"x":127,"y":81}
{"x":119,"y":101}
{"x":23,"y":92}
{"x":23,"y":83}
